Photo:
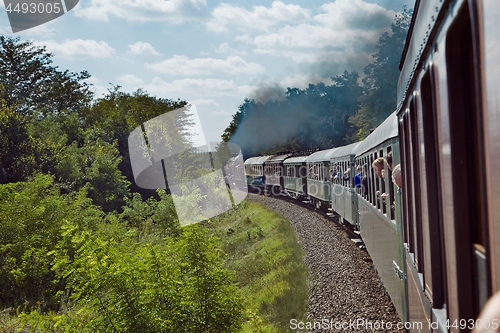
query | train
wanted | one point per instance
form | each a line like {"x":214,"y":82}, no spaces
{"x":434,"y":239}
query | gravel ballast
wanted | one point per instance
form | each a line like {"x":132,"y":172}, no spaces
{"x":346,"y":294}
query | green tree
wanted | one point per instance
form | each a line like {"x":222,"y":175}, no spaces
{"x":119,"y":284}
{"x":381,"y":78}
{"x":32,"y":84}
{"x":31,"y":218}
{"x":117,"y":114}
{"x":94,"y":163}
{"x":17,"y":147}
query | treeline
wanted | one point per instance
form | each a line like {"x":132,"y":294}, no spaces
{"x":324,"y":115}
{"x":82,"y":249}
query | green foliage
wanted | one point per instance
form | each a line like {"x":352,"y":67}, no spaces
{"x":32,"y":84}
{"x":114,"y":116}
{"x":381,"y":78}
{"x":152,"y":215}
{"x":17,"y":147}
{"x":263,"y":250}
{"x":31,"y":217}
{"x":66,"y":266}
{"x":78,"y":250}
{"x":120,"y":285}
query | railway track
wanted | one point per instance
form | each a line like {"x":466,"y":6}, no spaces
{"x":354,"y":235}
{"x":344,"y":285}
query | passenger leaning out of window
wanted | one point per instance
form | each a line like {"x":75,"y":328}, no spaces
{"x":396,"y":176}
{"x":379,"y":168}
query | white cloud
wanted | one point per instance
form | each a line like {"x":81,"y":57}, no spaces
{"x":225,"y":17}
{"x":221,"y":113}
{"x":226,"y":49}
{"x":142,"y":48}
{"x":205,"y":103}
{"x":182,"y":65}
{"x":344,"y":27}
{"x":78,"y":48}
{"x":176,"y":11}
{"x":130,"y":79}
{"x":197,"y":87}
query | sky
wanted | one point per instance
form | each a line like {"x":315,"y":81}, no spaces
{"x":213,"y":54}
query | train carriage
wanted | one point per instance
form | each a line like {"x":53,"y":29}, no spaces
{"x":254,"y":171}
{"x":295,"y":177}
{"x":319,"y":175}
{"x":380,"y":230}
{"x":449,"y":127}
{"x":344,"y":200}
{"x":273,"y":171}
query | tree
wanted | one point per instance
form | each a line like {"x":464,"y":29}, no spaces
{"x":381,"y":78}
{"x":17,"y":148}
{"x":32,"y":84}
{"x":114,"y":116}
{"x":31,"y":218}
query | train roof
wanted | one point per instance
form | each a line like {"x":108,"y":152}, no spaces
{"x":321,"y":156}
{"x":257,"y":160}
{"x":346,"y":150}
{"x":387,"y":130}
{"x":277,"y":158}
{"x":297,"y":159}
{"x":423,"y":25}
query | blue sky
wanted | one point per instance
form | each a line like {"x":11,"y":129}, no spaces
{"x":213,"y":54}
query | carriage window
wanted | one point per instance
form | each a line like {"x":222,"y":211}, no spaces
{"x":390,"y":191}
{"x":430,"y":199}
{"x":415,"y":177}
{"x":371,"y":183}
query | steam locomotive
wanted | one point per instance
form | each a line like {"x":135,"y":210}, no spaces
{"x":435,"y":241}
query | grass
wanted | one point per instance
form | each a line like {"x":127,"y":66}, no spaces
{"x":263,"y":250}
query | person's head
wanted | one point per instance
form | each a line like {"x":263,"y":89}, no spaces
{"x":388,"y":158}
{"x":396,"y":176}
{"x":358,"y":169}
{"x":379,"y":165}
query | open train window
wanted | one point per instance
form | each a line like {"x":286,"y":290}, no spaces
{"x":390,"y":192}
{"x":366,"y":168}
{"x":373,"y":189}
